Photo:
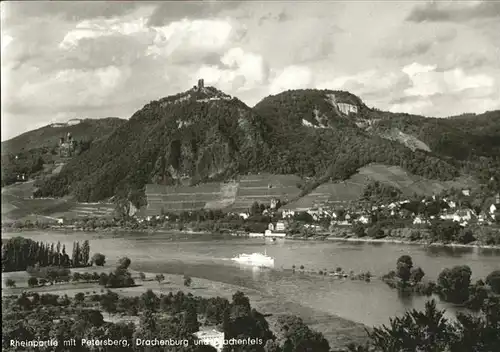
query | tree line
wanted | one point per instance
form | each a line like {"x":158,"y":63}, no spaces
{"x":19,"y":253}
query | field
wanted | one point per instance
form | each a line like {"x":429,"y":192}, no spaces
{"x":352,"y":189}
{"x":236,"y":196}
{"x":17,"y":205}
{"x":338,"y":331}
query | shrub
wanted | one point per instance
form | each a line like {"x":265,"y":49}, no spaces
{"x":99,"y":259}
{"x":493,"y":280}
{"x":32,"y":282}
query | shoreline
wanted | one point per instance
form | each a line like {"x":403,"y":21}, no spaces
{"x":418,"y":243}
{"x":389,"y":240}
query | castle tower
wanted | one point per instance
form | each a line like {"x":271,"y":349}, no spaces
{"x":201,"y":84}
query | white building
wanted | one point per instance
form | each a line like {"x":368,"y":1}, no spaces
{"x":363,"y":219}
{"x":280,"y":226}
{"x":288,"y":213}
{"x":211,"y":337}
{"x":244,"y":216}
{"x":418,"y":221}
{"x":255,"y":234}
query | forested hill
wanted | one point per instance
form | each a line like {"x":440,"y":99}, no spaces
{"x":204,"y":134}
{"x":318,"y":133}
{"x":199,"y":135}
{"x":471,"y":141}
{"x":48,"y":136}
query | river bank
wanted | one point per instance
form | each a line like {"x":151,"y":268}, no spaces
{"x":418,"y":242}
{"x":338,"y":331}
{"x":174,"y":232}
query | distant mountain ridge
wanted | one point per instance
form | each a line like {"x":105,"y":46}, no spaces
{"x":205,"y":135}
{"x":48,"y":136}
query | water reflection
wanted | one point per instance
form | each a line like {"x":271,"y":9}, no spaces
{"x":456,"y":252}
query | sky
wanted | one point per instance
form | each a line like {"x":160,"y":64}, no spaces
{"x":64,"y":60}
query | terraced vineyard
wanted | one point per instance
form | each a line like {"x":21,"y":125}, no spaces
{"x":262,"y":188}
{"x":83,"y":210}
{"x":236,"y":196}
{"x":352,"y":189}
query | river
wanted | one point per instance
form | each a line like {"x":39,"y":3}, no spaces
{"x":368,"y":303}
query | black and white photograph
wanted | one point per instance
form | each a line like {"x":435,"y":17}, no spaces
{"x":250,"y":176}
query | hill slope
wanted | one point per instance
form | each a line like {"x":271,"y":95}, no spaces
{"x":195,"y":136}
{"x":203,"y":135}
{"x":48,"y":136}
{"x":316,"y":133}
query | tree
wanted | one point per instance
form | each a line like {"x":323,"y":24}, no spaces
{"x":77,"y":276}
{"x":454,"y":284}
{"x":416,"y":275}
{"x":493,"y":280}
{"x":142,"y":276}
{"x":80,"y":297}
{"x":160,"y":278}
{"x":298,"y":336}
{"x":465,"y":236}
{"x":85,"y":252}
{"x":108,"y":302}
{"x":99,"y":259}
{"x":403,"y":268}
{"x":359,"y":230}
{"x":187,"y":280}
{"x":124,"y":263}
{"x":10,"y":283}
{"x":149,"y":301}
{"x":415,"y":331}
{"x":103,"y":279}
{"x":32,"y":282}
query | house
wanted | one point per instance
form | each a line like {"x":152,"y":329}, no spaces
{"x":419,"y":221}
{"x":287,"y":213}
{"x":275,"y":230}
{"x":462,"y":215}
{"x":280,"y":226}
{"x":466,"y":192}
{"x":392,"y":206}
{"x":315,"y":213}
{"x":211,"y":337}
{"x":363,"y":219}
{"x":244,"y":216}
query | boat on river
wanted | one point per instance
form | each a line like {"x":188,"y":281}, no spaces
{"x":255,"y":259}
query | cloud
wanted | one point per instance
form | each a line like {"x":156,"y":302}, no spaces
{"x":237,"y":71}
{"x":426,"y":81}
{"x":186,"y":38}
{"x":102,"y":27}
{"x":454,"y":11}
{"x":409,"y":41}
{"x":68,"y":89}
{"x":291,"y":77}
{"x":18,"y":12}
{"x":173,"y":11}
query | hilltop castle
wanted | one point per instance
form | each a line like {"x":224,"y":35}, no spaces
{"x":67,"y":147}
